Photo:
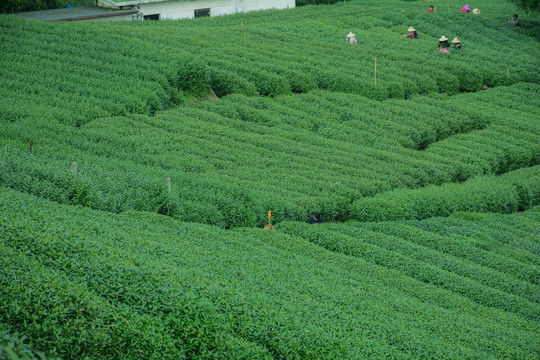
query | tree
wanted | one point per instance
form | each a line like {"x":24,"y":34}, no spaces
{"x":12,"y":6}
{"x":528,"y":5}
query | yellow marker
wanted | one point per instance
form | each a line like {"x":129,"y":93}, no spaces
{"x":269,"y":226}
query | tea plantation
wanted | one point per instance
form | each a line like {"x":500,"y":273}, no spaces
{"x":138,"y":161}
{"x":82,"y":282}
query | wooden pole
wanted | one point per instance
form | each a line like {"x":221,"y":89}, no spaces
{"x":448,"y":8}
{"x":375,"y":70}
{"x":242,"y":24}
{"x":74,"y":169}
{"x":169,"y":184}
{"x":30,"y":145}
{"x":508,"y":73}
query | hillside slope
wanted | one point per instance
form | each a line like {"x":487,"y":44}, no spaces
{"x":137,"y":160}
{"x":232,"y":160}
{"x":81,"y":283}
{"x":111,"y":105}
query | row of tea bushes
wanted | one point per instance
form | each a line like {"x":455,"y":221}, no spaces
{"x":230,"y":161}
{"x":233,"y":160}
{"x":83,"y":283}
{"x":505,"y":280}
{"x":13,"y":347}
{"x":90,"y":72}
{"x":142,"y":67}
{"x":276,"y":52}
{"x":511,"y":192}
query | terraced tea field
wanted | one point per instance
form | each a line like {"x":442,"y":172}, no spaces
{"x":138,"y":161}
{"x":141,"y":285}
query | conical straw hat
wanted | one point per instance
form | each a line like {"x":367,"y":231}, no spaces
{"x":350,"y":34}
{"x":443,"y":38}
{"x":455,"y":41}
{"x":476,"y":11}
{"x":411,"y":29}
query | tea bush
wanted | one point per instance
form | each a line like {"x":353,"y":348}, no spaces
{"x":83,"y":283}
{"x":429,"y":266}
{"x":46,"y":65}
{"x":308,"y":43}
{"x":110,"y":263}
{"x":232,"y":159}
{"x":12,"y":347}
{"x":243,"y":155}
{"x":505,"y":194}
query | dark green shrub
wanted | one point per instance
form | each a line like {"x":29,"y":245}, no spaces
{"x":12,"y":347}
{"x":12,"y":6}
{"x":469,"y":79}
{"x":301,"y":82}
{"x":504,"y":194}
{"x":225,"y":82}
{"x":193,"y":77}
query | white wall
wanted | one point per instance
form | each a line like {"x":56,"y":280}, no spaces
{"x":253,"y":5}
{"x":184,"y":9}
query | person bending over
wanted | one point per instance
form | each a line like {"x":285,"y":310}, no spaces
{"x":457,"y":44}
{"x":412,"y":33}
{"x":514,"y":20}
{"x":351,"y":39}
{"x":443,"y":44}
{"x":315,"y":218}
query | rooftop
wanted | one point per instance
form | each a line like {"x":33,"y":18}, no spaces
{"x":70,"y":14}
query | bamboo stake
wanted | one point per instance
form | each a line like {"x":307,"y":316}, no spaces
{"x":507,"y":73}
{"x":242,"y":24}
{"x":30,"y":145}
{"x":375,"y":70}
{"x":74,"y":169}
{"x":448,"y":8}
{"x":169,"y":184}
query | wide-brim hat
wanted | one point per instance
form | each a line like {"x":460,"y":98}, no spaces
{"x":443,"y":38}
{"x":467,"y":7}
{"x":476,"y":11}
{"x":411,"y":29}
{"x":350,"y":34}
{"x":455,"y":41}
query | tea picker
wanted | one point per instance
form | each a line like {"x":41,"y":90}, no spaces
{"x":457,"y":44}
{"x":315,"y":218}
{"x":514,"y":20}
{"x":443,"y":44}
{"x":412,"y":33}
{"x":351,"y":38}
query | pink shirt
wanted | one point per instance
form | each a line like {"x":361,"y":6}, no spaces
{"x":444,"y":51}
{"x":352,"y":40}
{"x":464,"y":9}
